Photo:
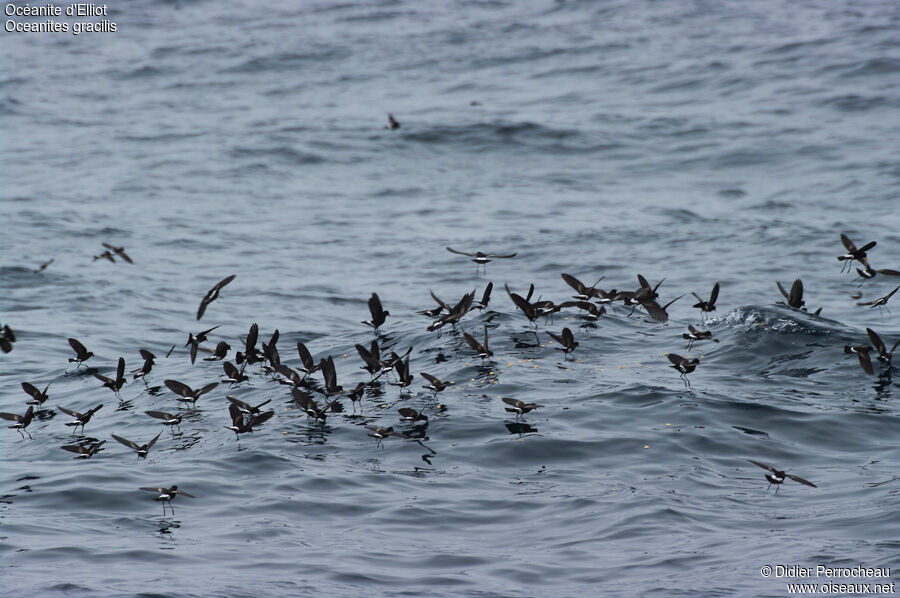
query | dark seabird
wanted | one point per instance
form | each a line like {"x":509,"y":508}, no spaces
{"x":485,"y":297}
{"x":166,"y":495}
{"x":38,"y":397}
{"x":379,"y":315}
{"x":7,"y":338}
{"x":584,"y":292}
{"x":239,"y":426}
{"x":247,"y":407}
{"x":270,"y":349}
{"x":233,"y":375}
{"x":356,"y":394}
{"x":881,"y":301}
{"x":43,"y":266}
{"x":114,"y":384}
{"x":795,"y":297}
{"x":524,"y":304}
{"x":194,"y":341}
{"x":655,"y":310}
{"x":411,"y":415}
{"x":306,"y":358}
{"x":884,"y":355}
{"x":80,"y":418}
{"x":188,"y":394}
{"x":379,"y":434}
{"x":251,"y":354}
{"x":567,"y":340}
{"x":220,"y":352}
{"x":697,"y":335}
{"x":22,"y":421}
{"x":484,"y":350}
{"x":106,"y":255}
{"x":212,"y":295}
{"x":119,"y":251}
{"x":140,"y":449}
{"x":434,"y":383}
{"x":168,"y":419}
{"x":853,"y":253}
{"x":372,"y":359}
{"x":84,"y":451}
{"x":778,"y":477}
{"x":392,"y":123}
{"x":710,"y":305}
{"x":329,"y":376}
{"x":593,"y":310}
{"x":310,"y":407}
{"x":480,"y":257}
{"x":862,"y":351}
{"x":81,"y":354}
{"x":148,"y":365}
{"x":683,"y":365}
{"x":519,"y":407}
{"x":404,"y":378}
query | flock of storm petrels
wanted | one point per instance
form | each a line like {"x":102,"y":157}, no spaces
{"x":243,"y":417}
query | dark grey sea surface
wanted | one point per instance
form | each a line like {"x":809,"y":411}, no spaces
{"x":686,"y":140}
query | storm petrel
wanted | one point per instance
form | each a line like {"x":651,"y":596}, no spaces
{"x":168,"y":419}
{"x":524,"y":304}
{"x":140,"y":449}
{"x":188,"y":394}
{"x":480,"y":257}
{"x":379,"y":434}
{"x":329,"y":376}
{"x":683,"y":365}
{"x":43,"y":266}
{"x":239,"y":425}
{"x":585,"y":293}
{"x":392,"y":123}
{"x":212,"y":295}
{"x":594,"y":311}
{"x":251,"y":353}
{"x":233,"y":375}
{"x":853,"y":253}
{"x":84,"y":451}
{"x":306,"y":358}
{"x":80,"y":418}
{"x":148,"y":365}
{"x":484,"y":350}
{"x":709,"y":305}
{"x":697,"y":335}
{"x":485,"y":297}
{"x":518,"y":407}
{"x":38,"y":397}
{"x":7,"y":338}
{"x":166,"y":495}
{"x":881,"y":301}
{"x":434,"y":383}
{"x":310,"y":407}
{"x":379,"y":315}
{"x":567,"y":340}
{"x":795,"y":297}
{"x":247,"y":407}
{"x":408,"y":414}
{"x":194,"y":341}
{"x":81,"y":354}
{"x":884,"y":355}
{"x":22,"y":421}
{"x":778,"y":476}
{"x":220,"y":352}
{"x":862,"y":351}
{"x":120,"y":251}
{"x":114,"y":384}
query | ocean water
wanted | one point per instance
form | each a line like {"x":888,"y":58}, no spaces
{"x":694,"y":142}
